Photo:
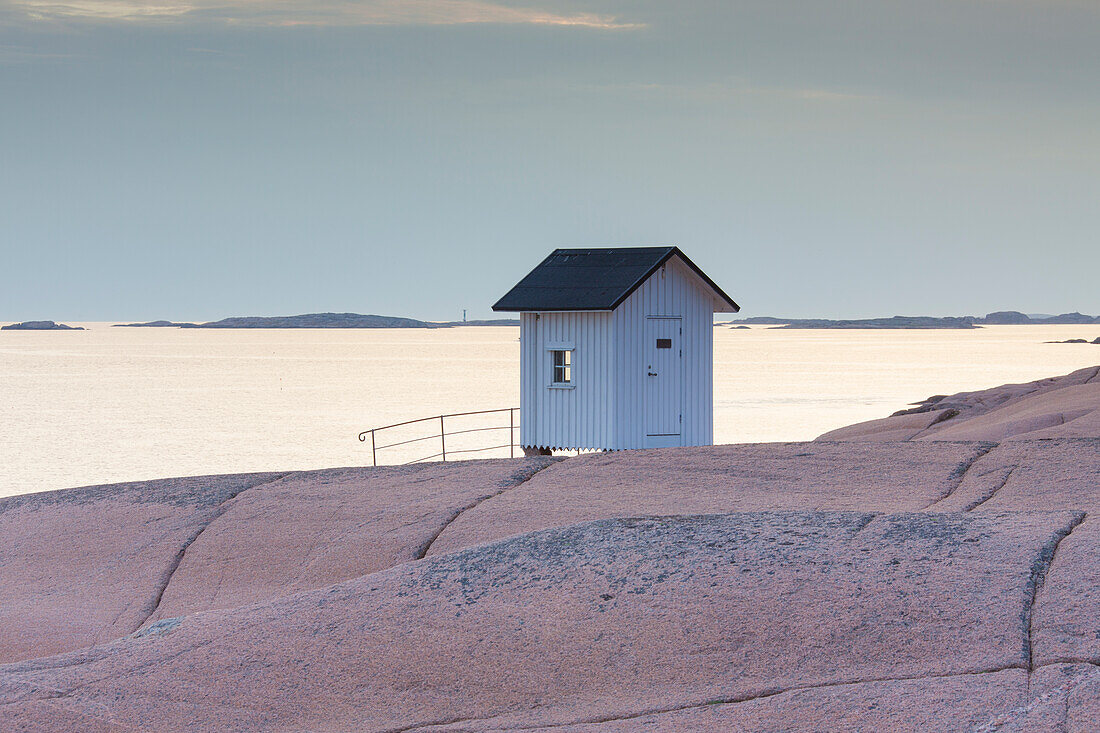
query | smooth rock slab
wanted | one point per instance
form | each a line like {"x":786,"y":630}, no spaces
{"x":84,"y":566}
{"x":90,"y":565}
{"x":1067,"y":615}
{"x":316,"y":528}
{"x":894,"y":427}
{"x":1063,"y":698}
{"x":1061,"y":413}
{"x":601,"y":620}
{"x":1024,"y":475}
{"x":1067,"y":406}
{"x":873,"y":477}
{"x":944,"y":705}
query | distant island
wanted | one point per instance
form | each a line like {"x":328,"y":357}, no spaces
{"x":999,"y":318}
{"x":356,"y":320}
{"x":40,"y":326}
{"x":1002,"y":318}
{"x":321,"y":320}
{"x":1095,"y":341}
{"x":154,"y":324}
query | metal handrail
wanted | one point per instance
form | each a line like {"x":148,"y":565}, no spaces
{"x":442,"y":435}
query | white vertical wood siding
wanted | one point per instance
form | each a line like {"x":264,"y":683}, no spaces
{"x":607,"y":408}
{"x":578,"y":418}
{"x":671,"y":291}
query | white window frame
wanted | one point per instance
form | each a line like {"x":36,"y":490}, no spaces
{"x":571,"y":350}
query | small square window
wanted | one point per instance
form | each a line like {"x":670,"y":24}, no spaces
{"x":563,"y":366}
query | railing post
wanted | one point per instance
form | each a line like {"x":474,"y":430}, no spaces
{"x":442,"y":439}
{"x":512,"y":432}
{"x":373,"y":449}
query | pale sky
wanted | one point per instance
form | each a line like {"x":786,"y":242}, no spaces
{"x":194,"y":159}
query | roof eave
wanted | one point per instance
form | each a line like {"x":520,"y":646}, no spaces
{"x":722,"y":306}
{"x":513,"y":309}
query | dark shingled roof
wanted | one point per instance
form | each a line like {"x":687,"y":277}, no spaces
{"x":593,"y":279}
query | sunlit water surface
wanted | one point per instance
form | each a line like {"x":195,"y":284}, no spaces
{"x":122,"y":404}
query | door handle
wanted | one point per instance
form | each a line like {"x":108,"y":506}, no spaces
{"x":653,"y":374}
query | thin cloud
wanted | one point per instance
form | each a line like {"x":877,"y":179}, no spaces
{"x":24,"y":54}
{"x":284,"y":13}
{"x":95,"y":10}
{"x":719,"y":91}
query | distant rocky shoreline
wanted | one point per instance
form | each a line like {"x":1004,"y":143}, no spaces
{"x":40,"y":326}
{"x":321,"y":320}
{"x":1095,"y":341}
{"x":356,"y":320}
{"x":155,"y":324}
{"x":999,"y":318}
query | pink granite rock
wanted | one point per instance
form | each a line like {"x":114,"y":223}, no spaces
{"x":1066,"y":624}
{"x":599,"y":621}
{"x":895,"y":427}
{"x":1059,"y":407}
{"x":85,"y":566}
{"x":941,"y":704}
{"x":316,"y":528}
{"x":1022,"y":476}
{"x":1047,"y":414}
{"x":1027,"y":474}
{"x":1062,"y":698}
{"x":889,"y":477}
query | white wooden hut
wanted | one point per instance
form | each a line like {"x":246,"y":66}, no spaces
{"x":616,"y":350}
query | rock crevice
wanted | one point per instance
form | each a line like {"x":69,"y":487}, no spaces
{"x":1037,"y":578}
{"x":960,"y":473}
{"x":153,"y":605}
{"x":993,"y":492}
{"x":518,"y":479}
{"x":716,"y":702}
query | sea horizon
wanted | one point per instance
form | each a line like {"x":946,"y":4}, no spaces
{"x":113,"y":405}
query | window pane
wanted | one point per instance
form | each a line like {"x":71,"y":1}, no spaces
{"x":562,"y":361}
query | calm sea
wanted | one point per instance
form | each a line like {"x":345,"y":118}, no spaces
{"x":122,"y":404}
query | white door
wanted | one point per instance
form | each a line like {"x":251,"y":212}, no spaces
{"x":663,"y":360}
